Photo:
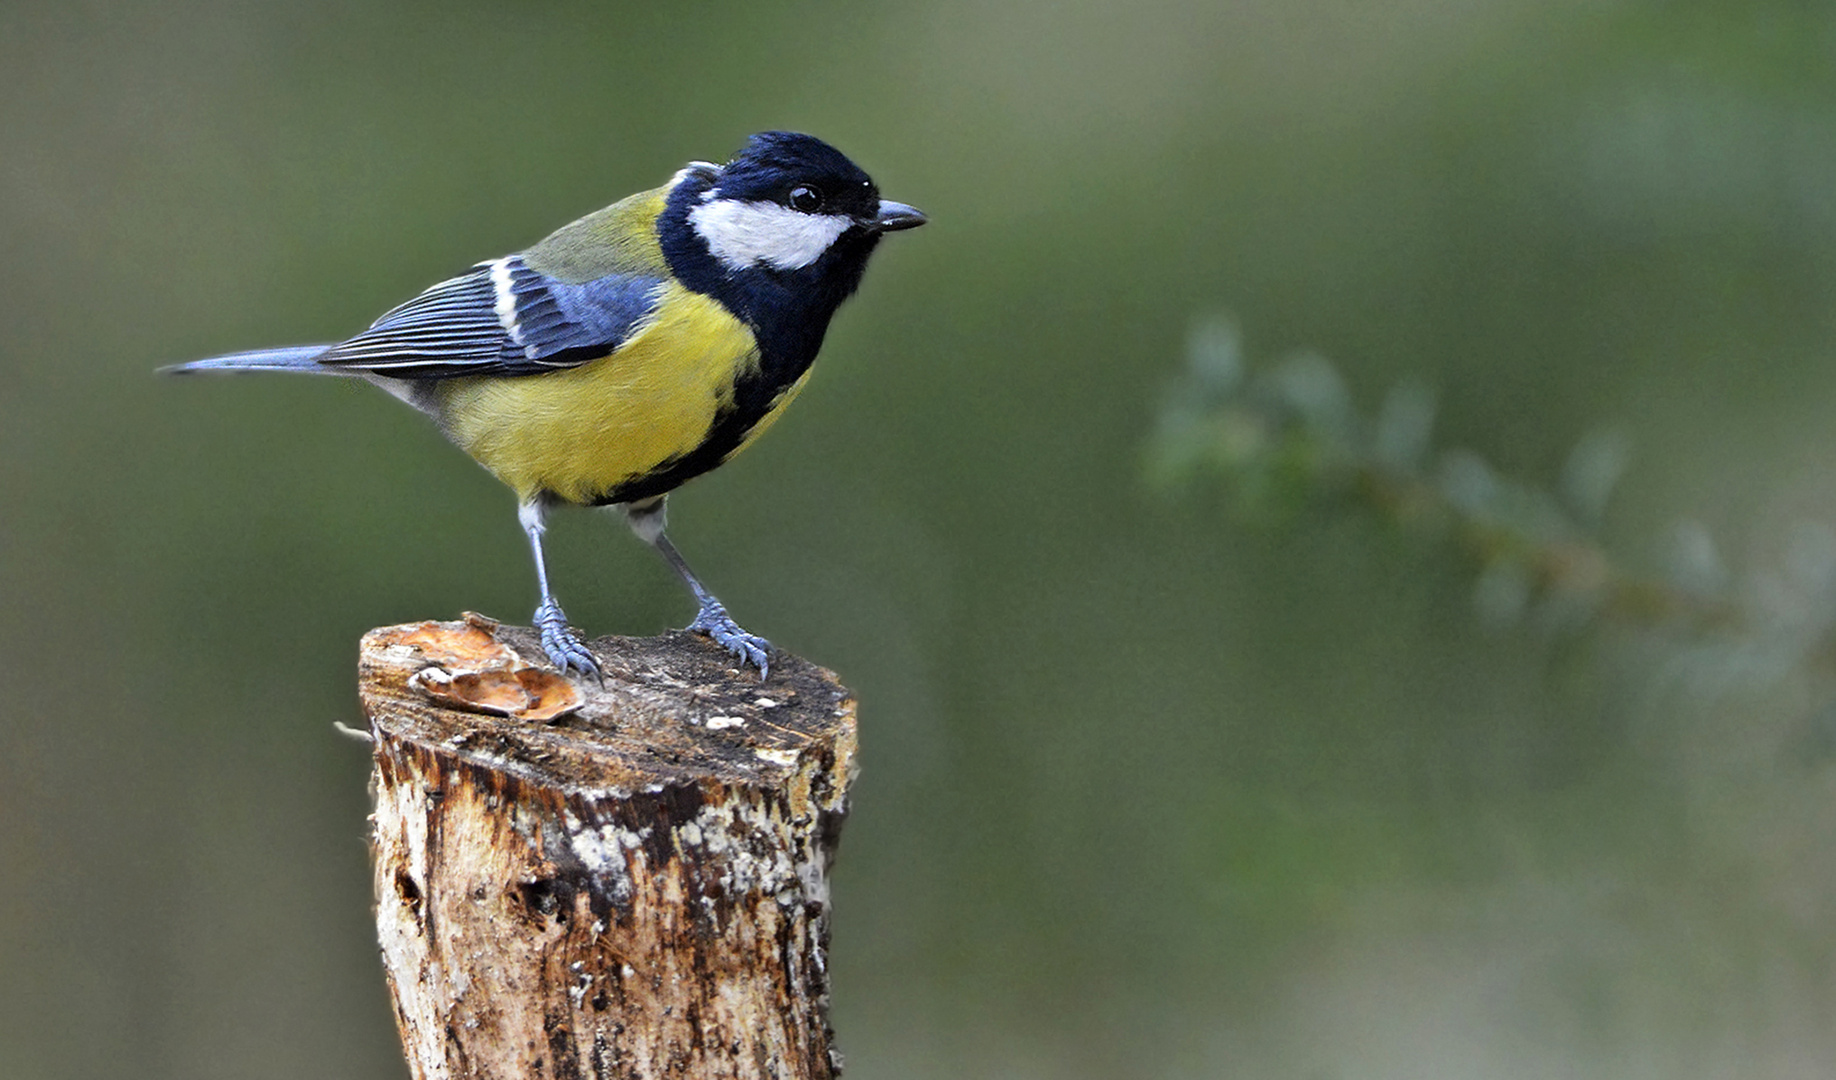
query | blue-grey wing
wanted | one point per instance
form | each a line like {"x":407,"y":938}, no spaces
{"x":500,"y":318}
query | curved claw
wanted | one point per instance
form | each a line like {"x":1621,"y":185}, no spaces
{"x":714,"y":621}
{"x":563,"y":647}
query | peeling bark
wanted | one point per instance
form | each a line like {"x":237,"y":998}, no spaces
{"x":627,"y":880}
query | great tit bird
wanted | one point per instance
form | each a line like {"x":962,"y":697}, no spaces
{"x":632,"y":350}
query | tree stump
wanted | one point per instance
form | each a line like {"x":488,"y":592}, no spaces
{"x":627,"y":879}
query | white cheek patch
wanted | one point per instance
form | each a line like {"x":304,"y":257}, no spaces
{"x":745,"y":234}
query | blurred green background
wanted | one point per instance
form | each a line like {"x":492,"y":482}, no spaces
{"x":1146,"y":793}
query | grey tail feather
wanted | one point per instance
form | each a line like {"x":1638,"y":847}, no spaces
{"x":290,"y":358}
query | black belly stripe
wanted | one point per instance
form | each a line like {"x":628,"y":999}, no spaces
{"x":753,"y":398}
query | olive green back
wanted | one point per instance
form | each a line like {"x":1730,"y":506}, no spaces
{"x":621,"y":239}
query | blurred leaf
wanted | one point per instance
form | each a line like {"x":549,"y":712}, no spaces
{"x":1214,"y":352}
{"x":1405,"y":426}
{"x":1593,"y":468}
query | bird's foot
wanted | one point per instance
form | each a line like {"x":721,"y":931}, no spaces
{"x":561,"y":644}
{"x":714,"y":621}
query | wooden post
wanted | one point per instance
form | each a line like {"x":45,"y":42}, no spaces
{"x":586,"y":881}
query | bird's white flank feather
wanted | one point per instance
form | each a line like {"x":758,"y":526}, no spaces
{"x":744,"y":234}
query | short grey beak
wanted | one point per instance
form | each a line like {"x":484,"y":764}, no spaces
{"x":894,"y":216}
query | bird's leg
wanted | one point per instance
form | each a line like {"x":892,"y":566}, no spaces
{"x":560,"y":643}
{"x":646,"y":519}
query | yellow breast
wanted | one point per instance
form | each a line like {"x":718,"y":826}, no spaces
{"x":582,"y":432}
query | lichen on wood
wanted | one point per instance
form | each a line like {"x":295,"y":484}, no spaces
{"x":627,"y":879}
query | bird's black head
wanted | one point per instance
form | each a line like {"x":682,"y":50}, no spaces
{"x":800,"y":173}
{"x":780,"y":235}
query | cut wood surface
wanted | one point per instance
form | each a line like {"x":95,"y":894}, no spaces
{"x":618,"y":880}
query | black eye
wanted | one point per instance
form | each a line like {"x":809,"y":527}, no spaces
{"x":805,"y":199}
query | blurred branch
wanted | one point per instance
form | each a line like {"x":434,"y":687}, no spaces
{"x":1290,"y":437}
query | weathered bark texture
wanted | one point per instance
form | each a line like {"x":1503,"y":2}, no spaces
{"x":627,"y":880}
